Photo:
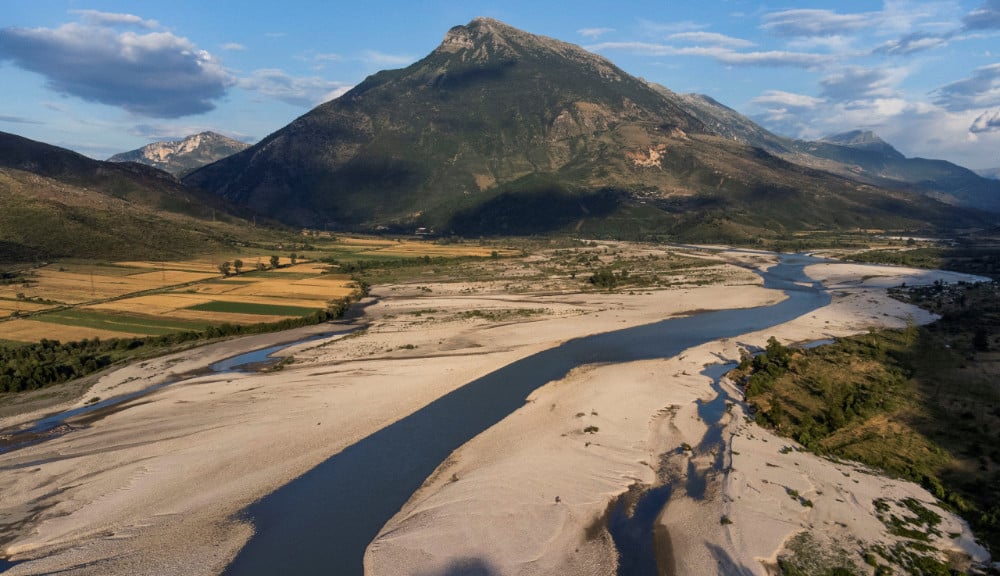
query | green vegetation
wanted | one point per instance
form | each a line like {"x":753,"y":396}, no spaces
{"x":504,"y":314}
{"x":804,"y":556}
{"x":919,"y":403}
{"x":252,"y":308}
{"x":119,"y":322}
{"x":973,"y":256}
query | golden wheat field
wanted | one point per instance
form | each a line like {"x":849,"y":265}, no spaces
{"x":185,"y":295}
{"x":33,"y":331}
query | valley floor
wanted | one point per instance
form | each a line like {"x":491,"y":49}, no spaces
{"x":156,"y":487}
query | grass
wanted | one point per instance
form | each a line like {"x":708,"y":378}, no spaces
{"x":119,"y":322}
{"x":920,"y":403}
{"x":805,"y":556}
{"x":252,"y":308}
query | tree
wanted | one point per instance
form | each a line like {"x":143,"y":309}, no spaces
{"x":225,"y":268}
{"x":238,"y":264}
{"x":293,"y":257}
{"x":275,"y":261}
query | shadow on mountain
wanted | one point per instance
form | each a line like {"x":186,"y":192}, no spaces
{"x":459,"y":77}
{"x":533,"y":211}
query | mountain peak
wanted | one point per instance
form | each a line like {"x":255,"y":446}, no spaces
{"x":182,"y":156}
{"x":489,"y":40}
{"x":862,"y":140}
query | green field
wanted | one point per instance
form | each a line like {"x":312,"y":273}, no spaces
{"x":251,"y":308}
{"x":120,"y":322}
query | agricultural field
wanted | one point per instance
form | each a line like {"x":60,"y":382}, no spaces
{"x":73,"y":301}
{"x":76,"y":299}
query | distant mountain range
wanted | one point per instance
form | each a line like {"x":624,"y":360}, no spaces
{"x":57,"y":203}
{"x":183,"y":156}
{"x":498,"y":131}
{"x":859,"y":155}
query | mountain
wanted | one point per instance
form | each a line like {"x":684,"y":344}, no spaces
{"x":865,"y":156}
{"x":498,"y":131}
{"x":183,"y":156}
{"x":865,"y":140}
{"x":57,"y":203}
{"x":860,"y":155}
{"x":993,"y":173}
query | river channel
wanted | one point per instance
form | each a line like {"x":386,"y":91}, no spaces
{"x":322,"y":522}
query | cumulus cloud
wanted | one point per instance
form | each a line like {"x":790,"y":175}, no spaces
{"x":710,"y":38}
{"x":295,"y":90}
{"x":988,"y":121}
{"x":594,"y":32}
{"x":154,"y":74}
{"x":986,"y":17}
{"x":815,"y":22}
{"x":981,"y":90}
{"x":774,"y":58}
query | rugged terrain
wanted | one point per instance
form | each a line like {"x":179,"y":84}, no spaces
{"x":183,"y":156}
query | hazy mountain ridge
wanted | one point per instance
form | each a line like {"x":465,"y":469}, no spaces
{"x":180,"y":157}
{"x":860,"y":155}
{"x":993,"y":173}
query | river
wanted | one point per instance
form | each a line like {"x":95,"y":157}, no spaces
{"x":322,"y":522}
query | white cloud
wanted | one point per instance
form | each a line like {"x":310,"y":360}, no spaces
{"x":233,"y":47}
{"x":165,"y":132}
{"x":155,"y":74}
{"x":911,"y":43}
{"x":986,"y":17}
{"x":787,"y":99}
{"x":710,"y":38}
{"x":18,"y":120}
{"x":815,"y":22}
{"x":594,"y":32}
{"x":98,"y":18}
{"x":856,"y":83}
{"x":295,"y":90}
{"x":775,"y":58}
{"x":376,"y":58}
{"x":981,"y":90}
{"x":988,"y":121}
{"x":326,"y":57}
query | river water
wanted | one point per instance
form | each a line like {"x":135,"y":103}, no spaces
{"x":322,"y":522}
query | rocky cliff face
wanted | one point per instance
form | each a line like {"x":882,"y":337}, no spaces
{"x":183,"y":156}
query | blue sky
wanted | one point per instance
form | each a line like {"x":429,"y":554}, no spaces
{"x":102,"y":77}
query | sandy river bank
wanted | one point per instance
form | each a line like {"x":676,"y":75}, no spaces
{"x":155,"y":488}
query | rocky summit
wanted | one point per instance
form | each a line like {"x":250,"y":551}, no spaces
{"x":180,"y":157}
